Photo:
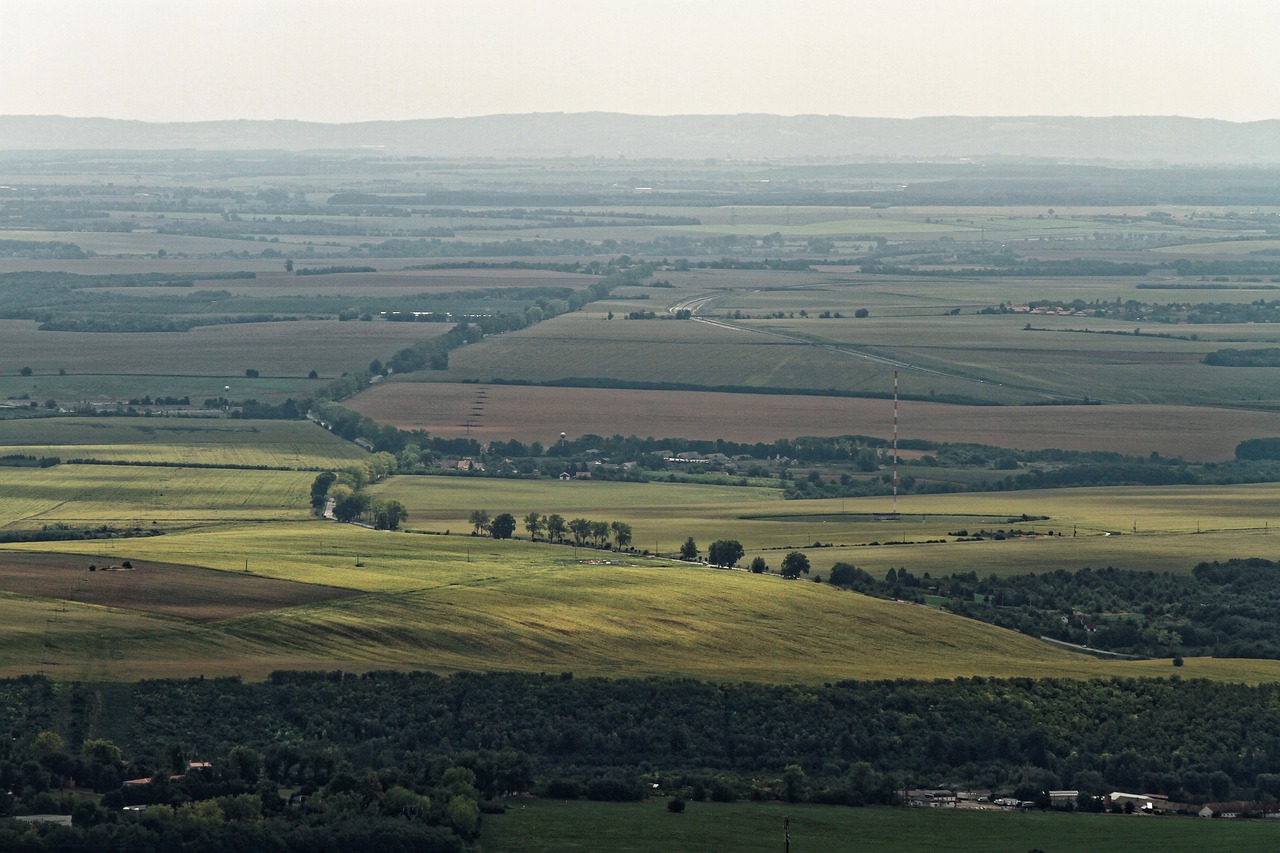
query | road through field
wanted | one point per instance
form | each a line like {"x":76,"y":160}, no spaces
{"x":694,"y":304}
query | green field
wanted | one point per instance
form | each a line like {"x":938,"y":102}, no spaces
{"x":464,"y":603}
{"x":535,"y":826}
{"x":198,"y":363}
{"x":203,"y":441}
{"x":89,"y":495}
{"x":984,"y":358}
{"x":461,"y":602}
{"x":1160,"y":528}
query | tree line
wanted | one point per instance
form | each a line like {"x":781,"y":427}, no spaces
{"x":1222,"y":609}
{"x":553,"y":527}
{"x":334,"y":735}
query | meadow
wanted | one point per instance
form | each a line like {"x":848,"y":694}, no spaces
{"x":546,"y":825}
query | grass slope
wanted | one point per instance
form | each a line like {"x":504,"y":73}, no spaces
{"x":459,"y":602}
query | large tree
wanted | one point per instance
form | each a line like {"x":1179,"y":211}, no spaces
{"x":479,"y":520}
{"x":794,"y":565}
{"x":320,"y":489}
{"x":600,"y":533}
{"x":503,"y":525}
{"x":725,"y":552}
{"x":581,"y":530}
{"x":555,"y":527}
{"x":534,"y":523}
{"x":621,"y":534}
{"x":350,"y":505}
{"x":689,"y":550}
{"x":389,"y":515}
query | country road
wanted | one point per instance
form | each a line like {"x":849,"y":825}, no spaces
{"x":694,"y":304}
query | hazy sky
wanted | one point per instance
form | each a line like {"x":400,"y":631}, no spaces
{"x":354,"y":60}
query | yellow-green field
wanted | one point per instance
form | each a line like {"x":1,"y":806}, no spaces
{"x":459,"y":602}
{"x":272,"y":444}
{"x":90,"y":495}
{"x":1169,"y":528}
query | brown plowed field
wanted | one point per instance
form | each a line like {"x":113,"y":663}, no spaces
{"x":186,"y":592}
{"x":526,"y":413}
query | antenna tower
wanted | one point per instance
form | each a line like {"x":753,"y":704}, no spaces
{"x":895,"y":444}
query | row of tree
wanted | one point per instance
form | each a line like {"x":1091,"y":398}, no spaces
{"x":553,"y":527}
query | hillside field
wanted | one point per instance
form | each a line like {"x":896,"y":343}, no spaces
{"x":462,"y":603}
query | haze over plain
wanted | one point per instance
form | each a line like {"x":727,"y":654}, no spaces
{"x":337,"y":61}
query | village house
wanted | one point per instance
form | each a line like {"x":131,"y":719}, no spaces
{"x":1239,"y":809}
{"x":932,"y":798}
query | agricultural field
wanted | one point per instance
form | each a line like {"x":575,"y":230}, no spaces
{"x":460,"y":603}
{"x":193,"y":441}
{"x":157,"y":589}
{"x":976,"y":359}
{"x":87,"y":367}
{"x":540,"y":414}
{"x":1144,"y":528}
{"x":536,"y":826}
{"x":160,"y":497}
{"x":439,"y":598}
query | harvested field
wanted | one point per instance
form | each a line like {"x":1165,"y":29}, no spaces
{"x":541,"y":414}
{"x":185,"y":592}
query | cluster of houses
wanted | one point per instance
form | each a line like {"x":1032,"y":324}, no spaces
{"x":1157,"y":804}
{"x":1046,"y":311}
{"x":1116,"y":802}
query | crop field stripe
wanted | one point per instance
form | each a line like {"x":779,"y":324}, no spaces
{"x":542,"y":413}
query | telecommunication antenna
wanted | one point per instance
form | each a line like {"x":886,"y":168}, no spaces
{"x":895,"y":444}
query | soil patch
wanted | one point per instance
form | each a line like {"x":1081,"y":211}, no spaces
{"x":186,"y":592}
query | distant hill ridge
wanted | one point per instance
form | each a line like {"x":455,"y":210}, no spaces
{"x":1138,"y":139}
